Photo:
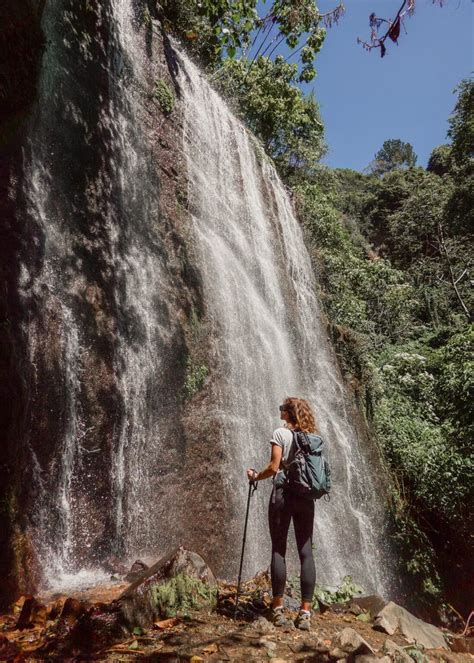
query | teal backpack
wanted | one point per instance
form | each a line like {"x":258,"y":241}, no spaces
{"x":308,"y":474}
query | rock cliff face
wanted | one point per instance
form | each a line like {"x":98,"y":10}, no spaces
{"x":78,"y":224}
{"x":21,"y":43}
{"x":157,"y":305}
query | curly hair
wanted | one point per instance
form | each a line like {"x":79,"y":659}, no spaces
{"x":301,"y":414}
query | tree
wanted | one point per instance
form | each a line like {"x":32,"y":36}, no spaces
{"x":241,"y":28}
{"x":461,"y":124}
{"x":440,"y":160}
{"x":394,"y":154}
{"x":275,"y":109}
{"x":461,"y":132}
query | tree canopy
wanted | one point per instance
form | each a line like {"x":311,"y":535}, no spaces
{"x":393,"y":154}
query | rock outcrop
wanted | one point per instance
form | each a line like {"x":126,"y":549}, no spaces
{"x":137,"y":601}
{"x":393,"y":618}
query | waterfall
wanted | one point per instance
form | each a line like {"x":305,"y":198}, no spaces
{"x":105,"y":294}
{"x":95,"y":293}
{"x":271,"y":338}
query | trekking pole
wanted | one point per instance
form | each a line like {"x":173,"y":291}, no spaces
{"x":252,"y":489}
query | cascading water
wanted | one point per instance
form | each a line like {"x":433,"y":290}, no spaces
{"x":105,"y":301}
{"x":99,"y":286}
{"x":271,"y":341}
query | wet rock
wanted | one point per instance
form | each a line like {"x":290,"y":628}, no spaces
{"x":136,"y":602}
{"x":396,"y":653}
{"x":350,"y":642}
{"x":136,"y":570}
{"x":114,"y":566}
{"x":32,"y":614}
{"x":393,"y":617}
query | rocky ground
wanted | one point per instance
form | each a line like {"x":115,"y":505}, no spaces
{"x":102,"y":625}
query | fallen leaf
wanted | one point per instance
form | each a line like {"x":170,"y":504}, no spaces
{"x":211,"y":649}
{"x":166,"y":623}
{"x":133,"y":645}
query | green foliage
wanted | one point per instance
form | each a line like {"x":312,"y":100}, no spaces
{"x":275,"y":109}
{"x":345,"y":592}
{"x":455,"y":384}
{"x":394,"y":154}
{"x":440,"y":161}
{"x":461,"y":124}
{"x":409,"y":216}
{"x":164,"y":95}
{"x":393,"y":261}
{"x":416,"y":653}
{"x":196,"y":375}
{"x":407,"y":422}
{"x":230,"y":28}
{"x":461,"y":131}
{"x":181,"y":594}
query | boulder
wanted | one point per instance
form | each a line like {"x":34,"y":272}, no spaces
{"x":338,"y":654}
{"x":136,"y":602}
{"x":350,"y":642}
{"x":372,"y":603}
{"x":396,"y":653}
{"x":393,"y":617}
{"x":268,"y":644}
{"x":263,"y":626}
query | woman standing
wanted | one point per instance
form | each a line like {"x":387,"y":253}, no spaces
{"x":284,"y":507}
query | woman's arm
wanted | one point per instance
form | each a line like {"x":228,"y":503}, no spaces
{"x":272,"y":467}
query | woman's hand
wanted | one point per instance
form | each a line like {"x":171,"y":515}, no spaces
{"x":271,"y":469}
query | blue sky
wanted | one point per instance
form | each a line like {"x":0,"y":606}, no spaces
{"x":408,"y":94}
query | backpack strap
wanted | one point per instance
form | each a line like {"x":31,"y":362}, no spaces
{"x":299,"y":446}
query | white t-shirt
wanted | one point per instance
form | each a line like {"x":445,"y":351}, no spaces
{"x":283,"y":437}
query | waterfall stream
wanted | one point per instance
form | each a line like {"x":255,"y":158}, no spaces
{"x":103,"y":336}
{"x":272,"y":341}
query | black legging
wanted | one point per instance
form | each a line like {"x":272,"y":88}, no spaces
{"x":283,"y":507}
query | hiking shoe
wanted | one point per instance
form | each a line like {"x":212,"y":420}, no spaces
{"x":278,"y":618}
{"x":303,"y":621}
